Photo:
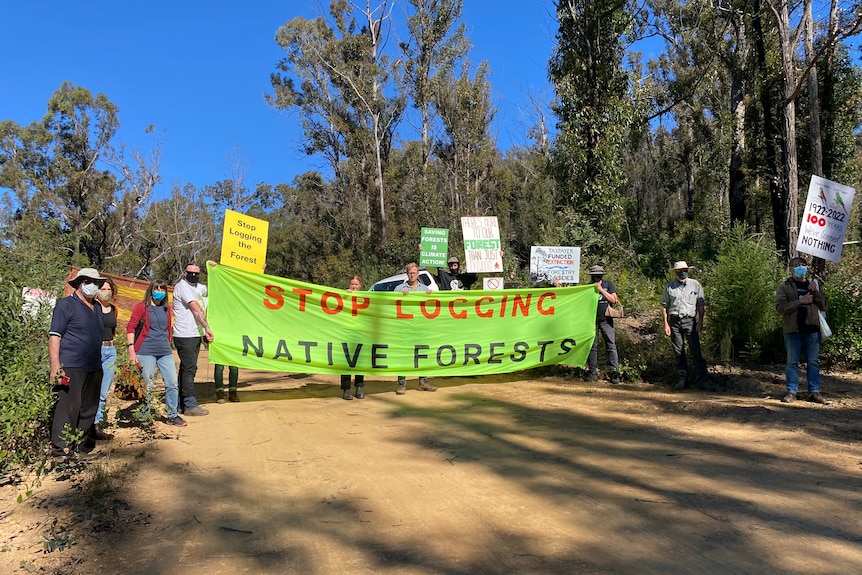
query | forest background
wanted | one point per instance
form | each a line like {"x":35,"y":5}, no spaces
{"x":698,"y":154}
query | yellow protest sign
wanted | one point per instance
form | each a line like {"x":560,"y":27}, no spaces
{"x":243,"y":243}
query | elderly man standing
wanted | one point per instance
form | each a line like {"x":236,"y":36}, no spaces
{"x":75,"y":351}
{"x":800,"y":301}
{"x":683,"y":307}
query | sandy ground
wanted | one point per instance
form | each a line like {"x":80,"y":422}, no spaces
{"x":490,"y":475}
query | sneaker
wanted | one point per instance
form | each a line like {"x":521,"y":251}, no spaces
{"x":615,"y":378}
{"x":816,"y":397}
{"x":789,"y":398}
{"x":220,"y":398}
{"x":176,"y":421}
{"x":196,"y":410}
{"x":346,"y":394}
{"x":680,"y":384}
{"x":593,"y":375}
{"x":232,"y":396}
{"x":425,"y":386}
{"x":360,"y":393}
{"x":402,"y":387}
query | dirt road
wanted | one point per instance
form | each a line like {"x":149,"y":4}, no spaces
{"x":487,"y":475}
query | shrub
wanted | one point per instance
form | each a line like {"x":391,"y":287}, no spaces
{"x":740,"y":289}
{"x":844,"y":290}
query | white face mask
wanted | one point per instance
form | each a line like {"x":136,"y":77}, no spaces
{"x":89,"y":290}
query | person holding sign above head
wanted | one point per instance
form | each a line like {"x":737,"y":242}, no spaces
{"x":412,"y":284}
{"x":455,"y":278}
{"x":355,"y":284}
{"x":800,"y":301}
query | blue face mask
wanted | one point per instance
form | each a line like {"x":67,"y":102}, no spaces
{"x":800,"y":271}
{"x":158,"y":296}
{"x":682,"y":276}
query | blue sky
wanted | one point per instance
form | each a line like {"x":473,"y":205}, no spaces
{"x":197,"y":71}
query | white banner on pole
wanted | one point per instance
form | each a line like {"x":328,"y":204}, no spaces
{"x":824,"y":222}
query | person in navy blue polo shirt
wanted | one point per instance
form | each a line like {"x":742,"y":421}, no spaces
{"x":75,"y":350}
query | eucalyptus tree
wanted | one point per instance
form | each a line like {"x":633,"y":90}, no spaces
{"x":594,"y":107}
{"x":67,"y":169}
{"x":465,"y":148}
{"x":339,"y":77}
{"x":434,"y":46}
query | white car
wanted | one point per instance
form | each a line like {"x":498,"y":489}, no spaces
{"x":390,"y":283}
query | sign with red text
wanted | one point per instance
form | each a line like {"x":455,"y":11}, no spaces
{"x":243,"y":243}
{"x":272,"y":323}
{"x":482,"y":244}
{"x":824,"y":223}
{"x":555,"y":264}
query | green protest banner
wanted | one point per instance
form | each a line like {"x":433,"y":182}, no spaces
{"x":433,"y":247}
{"x":272,"y":323}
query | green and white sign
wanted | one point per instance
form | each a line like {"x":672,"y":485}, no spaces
{"x":272,"y":323}
{"x":434,"y":247}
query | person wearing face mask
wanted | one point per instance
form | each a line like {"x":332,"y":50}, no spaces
{"x":148,"y":336}
{"x":683,"y":308}
{"x":188,"y":315}
{"x":604,"y":326}
{"x":799,"y":302}
{"x":455,"y":278}
{"x":74,"y":349}
{"x":109,"y":353}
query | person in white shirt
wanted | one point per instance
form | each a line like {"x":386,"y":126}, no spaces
{"x":188,"y":315}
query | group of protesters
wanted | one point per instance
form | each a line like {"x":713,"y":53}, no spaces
{"x":82,"y":353}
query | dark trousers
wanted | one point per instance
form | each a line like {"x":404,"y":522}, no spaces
{"x":75,"y":409}
{"x":345,"y":381}
{"x":606,"y":329}
{"x":188,"y":348}
{"x":232,"y":377}
{"x":682,"y":330}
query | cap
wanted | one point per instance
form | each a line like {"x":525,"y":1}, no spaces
{"x":596,"y":270}
{"x":453,"y":260}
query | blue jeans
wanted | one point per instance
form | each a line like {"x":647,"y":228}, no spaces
{"x":109,"y":361}
{"x":793,"y":345}
{"x":168,"y":370}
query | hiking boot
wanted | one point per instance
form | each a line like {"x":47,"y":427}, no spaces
{"x":402,"y":387}
{"x":592,"y":375}
{"x":346,"y":394}
{"x":197,"y":410}
{"x":425,"y":386}
{"x":360,"y":393}
{"x":232,"y":396}
{"x":789,"y":398}
{"x":100,"y":434}
{"x":220,"y":398}
{"x":816,"y":397}
{"x":176,"y":421}
{"x":615,"y":378}
{"x":680,"y":383}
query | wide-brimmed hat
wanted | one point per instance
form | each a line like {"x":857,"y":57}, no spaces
{"x":453,"y":260}
{"x":680,"y":265}
{"x":88,"y":273}
{"x":596,"y":270}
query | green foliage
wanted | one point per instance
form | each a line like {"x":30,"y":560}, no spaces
{"x":739,"y":288}
{"x":26,"y":395}
{"x":844,"y":291}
